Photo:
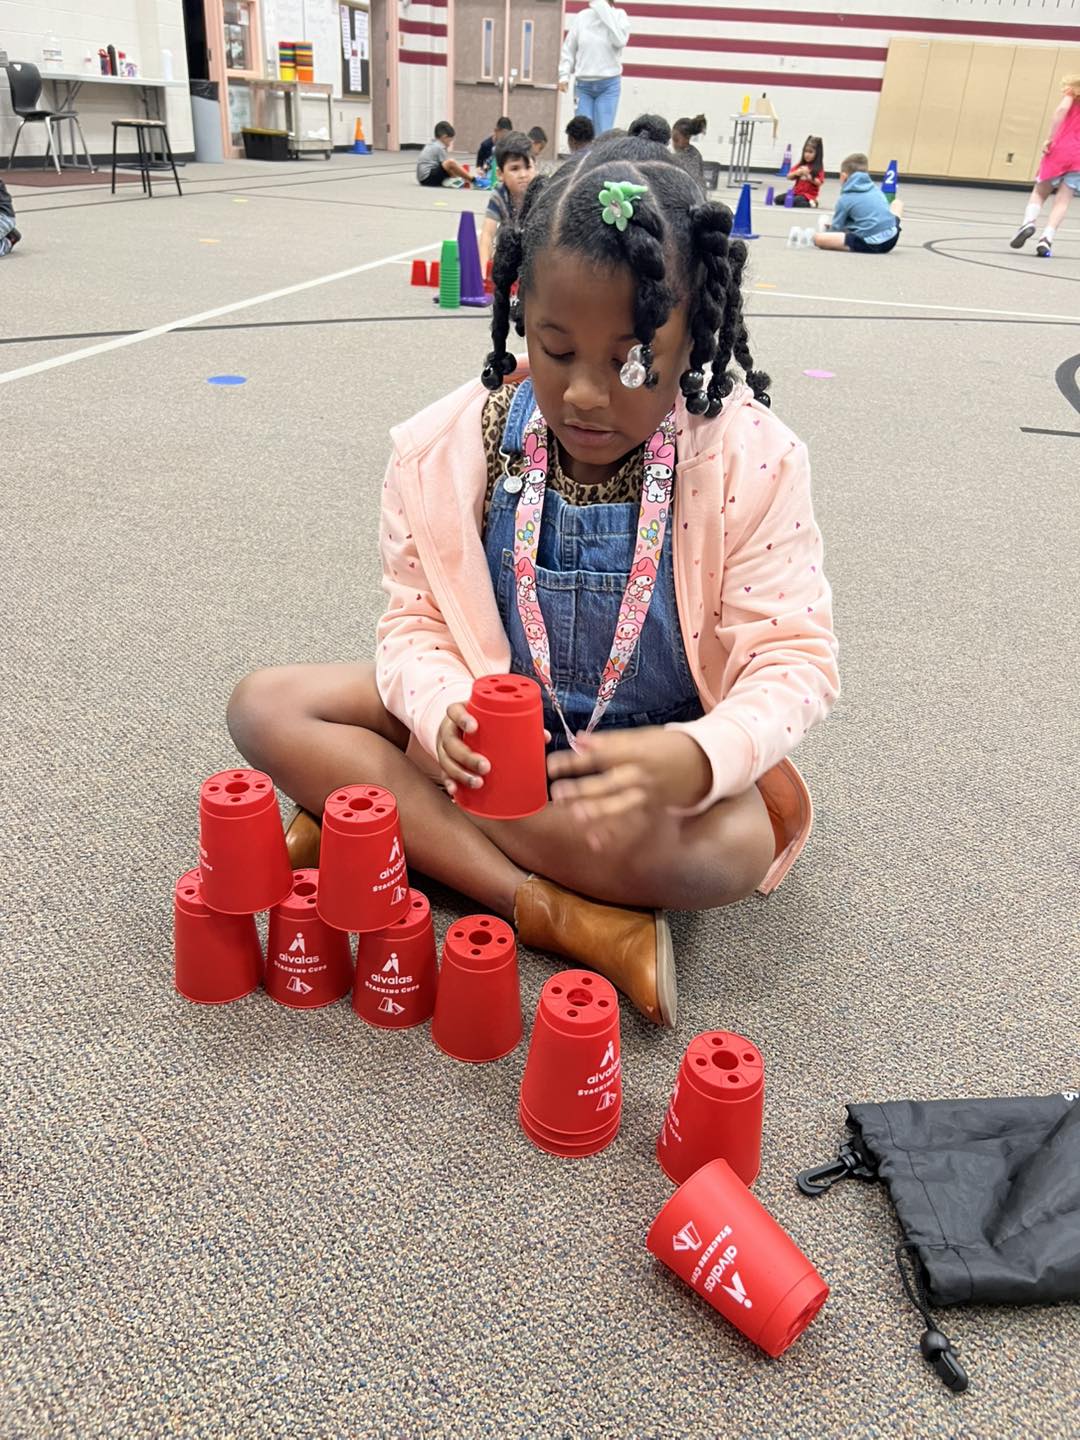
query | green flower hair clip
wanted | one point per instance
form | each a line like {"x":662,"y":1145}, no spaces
{"x":615,"y":198}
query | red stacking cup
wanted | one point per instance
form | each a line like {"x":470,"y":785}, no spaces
{"x":308,"y":963}
{"x":478,"y":1005}
{"x":218,"y":957}
{"x":362,"y":880}
{"x":509,"y":715}
{"x":571,"y":1091}
{"x":718,"y":1238}
{"x":242,"y":856}
{"x":715,"y":1110}
{"x":395,"y":970}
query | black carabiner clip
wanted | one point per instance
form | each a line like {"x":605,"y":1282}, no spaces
{"x":849,"y":1162}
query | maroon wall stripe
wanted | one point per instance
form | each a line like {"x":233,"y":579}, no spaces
{"x":999,"y":30}
{"x":421,"y":57}
{"x":754,"y":77}
{"x":761,"y":47}
{"x":431,"y":4}
{"x":421,"y":27}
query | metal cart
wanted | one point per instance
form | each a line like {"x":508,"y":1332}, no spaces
{"x":295,"y":92}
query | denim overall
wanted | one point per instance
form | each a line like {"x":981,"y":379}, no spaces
{"x":582,"y":565}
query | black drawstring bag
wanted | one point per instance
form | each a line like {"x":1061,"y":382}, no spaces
{"x":987,"y":1193}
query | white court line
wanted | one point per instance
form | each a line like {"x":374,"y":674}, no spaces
{"x":121,"y":340}
{"x":904,"y":305}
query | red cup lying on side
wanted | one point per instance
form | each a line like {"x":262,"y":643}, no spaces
{"x":308,"y":963}
{"x":242,"y":856}
{"x":509,"y":715}
{"x":478,"y":1004}
{"x":363,"y":884}
{"x":571,"y":1091}
{"x":718,"y":1238}
{"x":396,"y":974}
{"x":716,"y":1108}
{"x":217,"y":957}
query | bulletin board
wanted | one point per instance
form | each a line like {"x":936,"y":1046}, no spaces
{"x":355,"y":51}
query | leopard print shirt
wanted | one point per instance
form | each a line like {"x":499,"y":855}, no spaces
{"x":622,"y":487}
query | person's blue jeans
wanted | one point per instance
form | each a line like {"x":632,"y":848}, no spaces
{"x":598,"y":101}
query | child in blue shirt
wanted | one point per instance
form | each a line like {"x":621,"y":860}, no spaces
{"x":862,"y":220}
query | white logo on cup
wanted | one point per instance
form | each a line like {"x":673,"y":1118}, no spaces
{"x":687,"y":1238}
{"x":395,"y":851}
{"x":737,"y":1291}
{"x":297,"y":944}
{"x":399,"y":894}
{"x":391,"y":1007}
{"x":609,"y":1055}
{"x":391,"y":964}
{"x":607,"y":1100}
{"x":298,"y":987}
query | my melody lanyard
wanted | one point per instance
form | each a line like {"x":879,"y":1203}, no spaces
{"x":656,"y":487}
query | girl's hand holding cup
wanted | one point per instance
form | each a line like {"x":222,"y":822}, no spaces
{"x":460,"y":765}
{"x":625,"y":777}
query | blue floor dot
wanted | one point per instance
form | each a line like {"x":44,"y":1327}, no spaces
{"x":226,"y":380}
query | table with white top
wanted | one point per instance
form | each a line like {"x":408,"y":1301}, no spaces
{"x":68,"y":84}
{"x":742,"y":141}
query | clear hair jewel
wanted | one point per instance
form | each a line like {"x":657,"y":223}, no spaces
{"x":633,"y":373}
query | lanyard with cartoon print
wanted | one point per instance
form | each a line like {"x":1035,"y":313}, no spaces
{"x":656,"y":487}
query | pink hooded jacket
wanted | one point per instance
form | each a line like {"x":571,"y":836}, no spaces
{"x":754,"y":605}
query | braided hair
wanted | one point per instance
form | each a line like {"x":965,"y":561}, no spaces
{"x":677,"y":246}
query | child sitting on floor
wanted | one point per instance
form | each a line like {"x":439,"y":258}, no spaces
{"x":515,"y":167}
{"x":862,"y":220}
{"x":9,"y":234}
{"x":626,"y":521}
{"x":808,"y":175}
{"x":435,"y":167}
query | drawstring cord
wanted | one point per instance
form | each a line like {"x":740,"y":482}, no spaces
{"x":936,"y":1347}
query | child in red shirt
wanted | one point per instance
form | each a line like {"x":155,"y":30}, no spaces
{"x":809,"y":175}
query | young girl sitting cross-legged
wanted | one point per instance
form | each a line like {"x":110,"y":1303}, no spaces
{"x":659,"y":573}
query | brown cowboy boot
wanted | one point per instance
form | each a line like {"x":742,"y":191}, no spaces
{"x":631,"y":948}
{"x":302,"y":836}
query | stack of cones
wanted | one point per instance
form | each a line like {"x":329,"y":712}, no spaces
{"x":449,"y":276}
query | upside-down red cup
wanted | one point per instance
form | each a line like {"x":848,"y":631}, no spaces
{"x":242,"y":856}
{"x":396,"y":975}
{"x":308,"y":963}
{"x":716,"y":1107}
{"x":571,"y":1091}
{"x":717,"y":1237}
{"x":478,"y":1004}
{"x":363,"y":884}
{"x":217,"y":957}
{"x":509,"y":715}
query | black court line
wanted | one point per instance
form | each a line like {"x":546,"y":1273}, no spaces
{"x":1047,"y":274}
{"x":1034,"y":430}
{"x":478,"y":314}
{"x":196,"y":194}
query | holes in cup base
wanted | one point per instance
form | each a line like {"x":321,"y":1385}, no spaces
{"x":360,"y":802}
{"x":572,"y":1014}
{"x":556,"y":989}
{"x":505,"y":689}
{"x":237,"y":787}
{"x":480,"y":937}
{"x":724,"y":1059}
{"x":578,"y":997}
{"x":306,"y":887}
{"x":733,"y":1080}
{"x":189,"y":893}
{"x":418,"y":904}
{"x":699,"y":1061}
{"x":750,"y":1059}
{"x":603,"y":1003}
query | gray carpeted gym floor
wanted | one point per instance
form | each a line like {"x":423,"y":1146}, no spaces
{"x":251,"y":1222}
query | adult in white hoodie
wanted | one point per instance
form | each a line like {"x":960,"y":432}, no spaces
{"x":592,"y":54}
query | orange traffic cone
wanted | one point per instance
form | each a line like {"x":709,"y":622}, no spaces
{"x":360,"y":146}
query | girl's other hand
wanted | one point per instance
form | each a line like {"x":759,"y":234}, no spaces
{"x":460,"y":765}
{"x":620,"y":779}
